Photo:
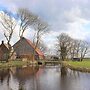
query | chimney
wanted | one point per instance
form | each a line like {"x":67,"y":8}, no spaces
{"x":21,"y":37}
{"x":2,"y":42}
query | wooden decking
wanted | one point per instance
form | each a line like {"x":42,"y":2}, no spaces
{"x":49,"y":62}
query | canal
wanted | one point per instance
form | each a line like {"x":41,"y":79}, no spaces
{"x":45,"y":78}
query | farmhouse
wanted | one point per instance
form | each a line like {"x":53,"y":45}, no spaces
{"x":24,"y":48}
{"x":3,"y":51}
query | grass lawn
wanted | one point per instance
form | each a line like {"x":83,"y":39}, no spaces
{"x":84,"y":64}
{"x":13,"y":64}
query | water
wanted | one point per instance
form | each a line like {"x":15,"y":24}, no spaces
{"x":46,"y":78}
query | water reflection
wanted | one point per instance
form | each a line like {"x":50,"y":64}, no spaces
{"x":63,"y":71}
{"x":47,"y":78}
{"x":4,"y":74}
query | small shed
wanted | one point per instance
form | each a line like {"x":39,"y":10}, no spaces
{"x":3,"y":52}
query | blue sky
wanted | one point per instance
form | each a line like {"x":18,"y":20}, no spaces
{"x":69,"y":16}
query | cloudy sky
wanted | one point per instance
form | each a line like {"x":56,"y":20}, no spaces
{"x":69,"y":16}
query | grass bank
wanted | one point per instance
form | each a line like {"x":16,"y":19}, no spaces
{"x":83,"y":66}
{"x":14,"y":64}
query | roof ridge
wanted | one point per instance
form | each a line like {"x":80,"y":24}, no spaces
{"x":37,"y":49}
{"x":32,"y":45}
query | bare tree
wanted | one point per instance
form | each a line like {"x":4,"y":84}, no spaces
{"x":71,"y":48}
{"x":26,"y":19}
{"x":64,"y":42}
{"x":41,"y":28}
{"x":8,"y":22}
{"x":83,"y":49}
{"x":42,"y":46}
{"x":79,"y":49}
{"x":75,"y":48}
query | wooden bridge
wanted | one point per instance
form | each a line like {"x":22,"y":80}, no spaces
{"x":49,"y":62}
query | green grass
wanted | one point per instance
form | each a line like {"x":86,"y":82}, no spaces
{"x":84,"y":64}
{"x":12,"y":64}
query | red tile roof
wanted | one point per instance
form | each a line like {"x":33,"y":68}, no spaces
{"x":33,"y":46}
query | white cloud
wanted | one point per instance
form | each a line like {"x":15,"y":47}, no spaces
{"x":75,"y":30}
{"x":67,"y":16}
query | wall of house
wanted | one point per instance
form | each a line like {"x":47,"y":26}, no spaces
{"x":40,"y":57}
{"x":3,"y":52}
{"x":23,"y":49}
